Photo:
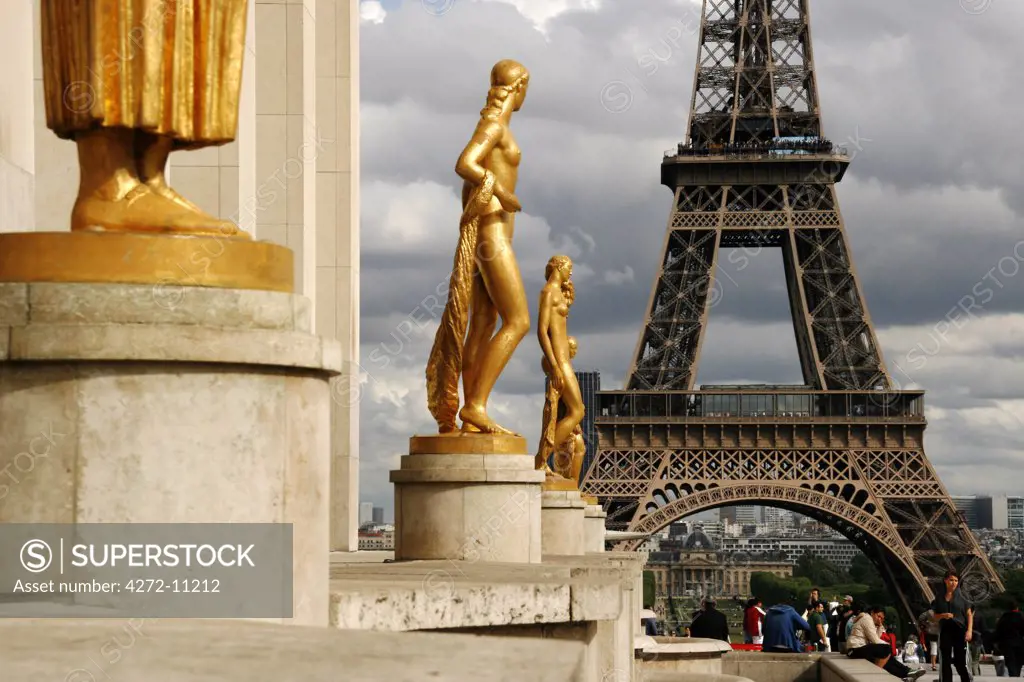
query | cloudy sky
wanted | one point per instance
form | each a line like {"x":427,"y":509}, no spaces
{"x":925,"y":93}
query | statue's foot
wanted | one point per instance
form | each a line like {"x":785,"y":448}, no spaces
{"x":475,"y":420}
{"x":158,"y":184}
{"x":141,"y":209}
{"x":550,"y":475}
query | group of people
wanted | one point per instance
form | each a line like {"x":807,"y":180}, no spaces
{"x":950,"y":629}
{"x":859,"y":632}
{"x":809,"y":145}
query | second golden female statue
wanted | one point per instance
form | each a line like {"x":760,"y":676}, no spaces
{"x":561,"y":434}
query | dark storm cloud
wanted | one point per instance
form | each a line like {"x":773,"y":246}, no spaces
{"x":898,"y":84}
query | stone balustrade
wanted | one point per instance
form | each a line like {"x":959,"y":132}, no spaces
{"x":140,"y":650}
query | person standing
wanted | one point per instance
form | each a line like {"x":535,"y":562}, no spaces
{"x":710,"y":623}
{"x":812,"y":601}
{"x":1009,"y":639}
{"x":842,"y":627}
{"x":753,"y":620}
{"x":930,"y":636}
{"x":816,"y":619}
{"x":835,"y":635}
{"x":976,"y":647}
{"x":955,"y":617}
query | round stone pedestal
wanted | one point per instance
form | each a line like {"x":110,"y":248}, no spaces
{"x":562,"y":518}
{"x":126,"y":403}
{"x":593,"y":523}
{"x":468,"y":497}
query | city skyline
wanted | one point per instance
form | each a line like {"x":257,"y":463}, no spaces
{"x":920,"y":198}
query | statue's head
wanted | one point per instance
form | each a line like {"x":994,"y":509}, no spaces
{"x":562,"y":265}
{"x":509,"y":78}
{"x":573,"y":347}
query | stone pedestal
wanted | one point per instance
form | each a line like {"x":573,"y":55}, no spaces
{"x":468,"y":497}
{"x":562,"y":518}
{"x":593,"y":524}
{"x":163,"y":403}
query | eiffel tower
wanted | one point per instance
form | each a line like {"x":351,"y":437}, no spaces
{"x":846,"y":447}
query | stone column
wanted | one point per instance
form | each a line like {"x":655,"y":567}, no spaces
{"x":594,"y":521}
{"x":563,"y":523}
{"x":337,"y":247}
{"x":38,"y":171}
{"x":17,"y":152}
{"x":202,"y":405}
{"x":468,"y":498}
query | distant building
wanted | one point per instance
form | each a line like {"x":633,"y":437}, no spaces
{"x":776,"y":518}
{"x":377,"y":538}
{"x":742,"y":515}
{"x":999,"y":512}
{"x":839,"y":551}
{"x":365,"y":513}
{"x":1015,"y":513}
{"x":378,"y":514}
{"x":590,"y":384}
{"x":698,"y":571}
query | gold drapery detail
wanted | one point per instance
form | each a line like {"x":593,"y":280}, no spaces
{"x":444,"y":367}
{"x":549,"y":420}
{"x":168,"y":67}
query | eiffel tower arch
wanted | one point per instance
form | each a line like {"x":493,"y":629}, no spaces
{"x":846,"y":447}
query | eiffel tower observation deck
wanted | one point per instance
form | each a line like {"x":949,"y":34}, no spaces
{"x":844,"y":447}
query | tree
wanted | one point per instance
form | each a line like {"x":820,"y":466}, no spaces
{"x":863,"y":571}
{"x":649,"y":589}
{"x":818,"y":571}
{"x":772,"y":589}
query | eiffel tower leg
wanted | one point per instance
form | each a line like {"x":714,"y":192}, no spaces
{"x":683,"y":292}
{"x":803,"y":324}
{"x":828,"y":306}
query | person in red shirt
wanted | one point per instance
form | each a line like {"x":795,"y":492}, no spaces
{"x":753,"y":620}
{"x":890,"y":637}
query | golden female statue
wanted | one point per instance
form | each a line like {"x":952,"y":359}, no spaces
{"x":569,"y":455}
{"x":485,"y":281}
{"x":563,"y":409}
{"x":131,"y":80}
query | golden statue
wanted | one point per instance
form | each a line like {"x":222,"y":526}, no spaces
{"x":569,"y":457}
{"x":485,"y":281}
{"x":563,"y":404}
{"x":129,"y":81}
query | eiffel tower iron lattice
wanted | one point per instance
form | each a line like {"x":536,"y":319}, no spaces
{"x":847,"y":447}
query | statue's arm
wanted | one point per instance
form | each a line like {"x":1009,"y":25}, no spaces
{"x":470,"y":164}
{"x":544,"y":336}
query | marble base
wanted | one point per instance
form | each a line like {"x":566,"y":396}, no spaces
{"x":593,"y":524}
{"x":121,"y":404}
{"x":563,"y":530}
{"x":467,"y":507}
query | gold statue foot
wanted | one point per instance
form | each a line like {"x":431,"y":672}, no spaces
{"x":475,"y":420}
{"x":141,"y":209}
{"x":158,"y":184}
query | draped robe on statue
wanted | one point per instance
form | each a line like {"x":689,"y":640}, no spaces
{"x":168,"y":67}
